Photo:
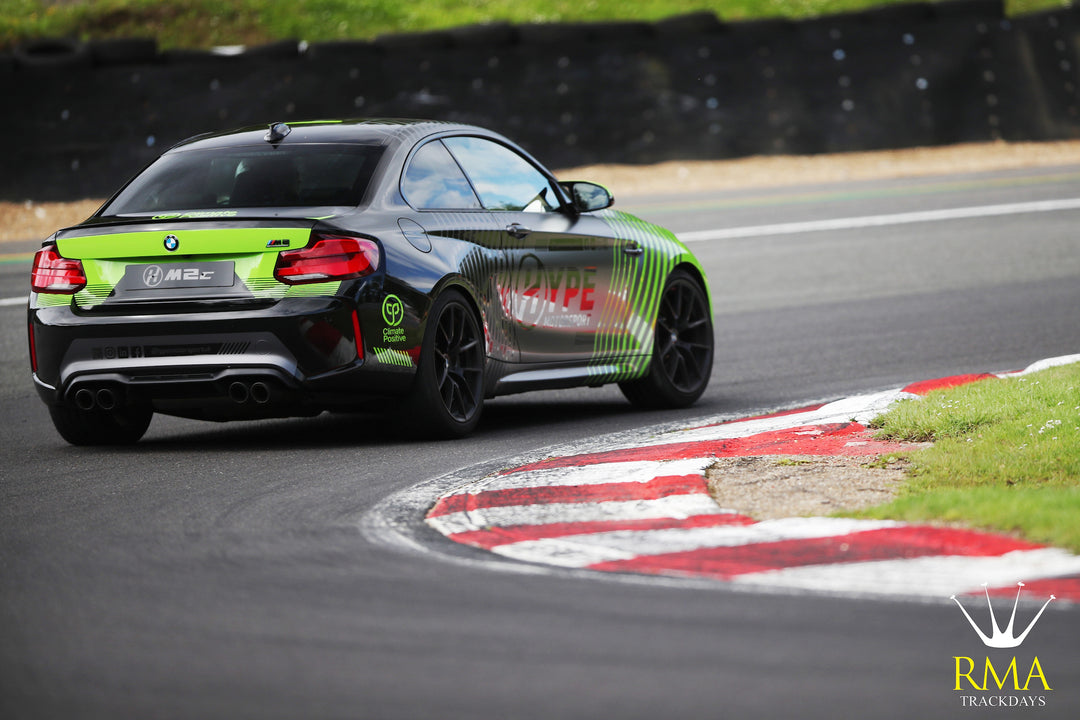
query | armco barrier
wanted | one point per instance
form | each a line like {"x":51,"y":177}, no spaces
{"x":83,"y":117}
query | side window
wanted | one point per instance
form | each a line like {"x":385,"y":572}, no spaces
{"x":503,"y":179}
{"x":433,"y":181}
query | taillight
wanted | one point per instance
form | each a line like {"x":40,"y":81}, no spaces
{"x":328,"y":258}
{"x":55,"y":274}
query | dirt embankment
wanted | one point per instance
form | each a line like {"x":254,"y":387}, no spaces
{"x":769,"y":487}
{"x":774,"y":171}
{"x":36,"y":221}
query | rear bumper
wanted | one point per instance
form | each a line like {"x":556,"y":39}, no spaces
{"x":210,"y":394}
{"x":297,"y":357}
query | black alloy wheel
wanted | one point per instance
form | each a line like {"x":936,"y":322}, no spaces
{"x":448,"y":393}
{"x":682,"y":355}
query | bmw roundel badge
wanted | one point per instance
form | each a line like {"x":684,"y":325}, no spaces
{"x":171,"y":243}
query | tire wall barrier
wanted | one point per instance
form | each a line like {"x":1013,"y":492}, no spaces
{"x":83,"y":117}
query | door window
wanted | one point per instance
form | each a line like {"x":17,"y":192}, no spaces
{"x":503,"y":179}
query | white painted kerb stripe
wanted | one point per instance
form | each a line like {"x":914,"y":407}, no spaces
{"x":938,"y":577}
{"x":593,"y":548}
{"x":796,"y":228}
{"x":673,"y":506}
{"x":635,"y":471}
{"x":13,"y":301}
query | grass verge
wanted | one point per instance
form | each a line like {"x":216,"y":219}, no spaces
{"x":205,"y":23}
{"x":1006,"y":456}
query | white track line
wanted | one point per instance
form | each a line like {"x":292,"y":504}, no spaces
{"x":865,"y":221}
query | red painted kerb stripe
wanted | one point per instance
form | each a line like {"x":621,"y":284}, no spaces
{"x":882,"y":544}
{"x":654,"y":489}
{"x":926,"y":386}
{"x":850,"y":439}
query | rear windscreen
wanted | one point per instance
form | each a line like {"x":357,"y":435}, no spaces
{"x":246,"y":177}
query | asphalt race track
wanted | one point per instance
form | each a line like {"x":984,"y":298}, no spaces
{"x":221,"y":571}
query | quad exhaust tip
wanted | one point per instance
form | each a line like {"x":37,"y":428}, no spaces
{"x":87,"y":399}
{"x":106,"y":399}
{"x":260,"y":393}
{"x":257,"y":392}
{"x":84,"y":399}
{"x":239,"y":393}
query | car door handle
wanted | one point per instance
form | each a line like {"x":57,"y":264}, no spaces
{"x":517,"y":230}
{"x":633,"y":249}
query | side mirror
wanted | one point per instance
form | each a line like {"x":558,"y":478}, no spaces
{"x":587,"y":196}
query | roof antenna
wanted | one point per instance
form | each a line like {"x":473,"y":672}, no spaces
{"x":277,"y":133}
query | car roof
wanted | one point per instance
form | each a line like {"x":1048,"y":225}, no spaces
{"x":361,"y":130}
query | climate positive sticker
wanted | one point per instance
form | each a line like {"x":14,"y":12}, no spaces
{"x":393,"y":312}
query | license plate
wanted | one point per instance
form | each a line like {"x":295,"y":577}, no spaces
{"x":179,"y":275}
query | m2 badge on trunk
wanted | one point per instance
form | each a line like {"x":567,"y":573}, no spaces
{"x":185,"y":275}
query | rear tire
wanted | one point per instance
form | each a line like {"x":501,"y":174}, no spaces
{"x":682,"y":355}
{"x":447,"y":396}
{"x":122,"y":426}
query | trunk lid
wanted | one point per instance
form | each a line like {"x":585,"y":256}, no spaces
{"x":181,"y":261}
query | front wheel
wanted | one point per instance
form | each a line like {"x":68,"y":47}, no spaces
{"x":682,"y":354}
{"x":448,"y":392}
{"x":119,"y":426}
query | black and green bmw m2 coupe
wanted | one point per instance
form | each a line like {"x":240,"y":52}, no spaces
{"x":414,"y":265}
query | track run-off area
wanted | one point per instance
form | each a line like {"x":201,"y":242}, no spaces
{"x":644,"y":507}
